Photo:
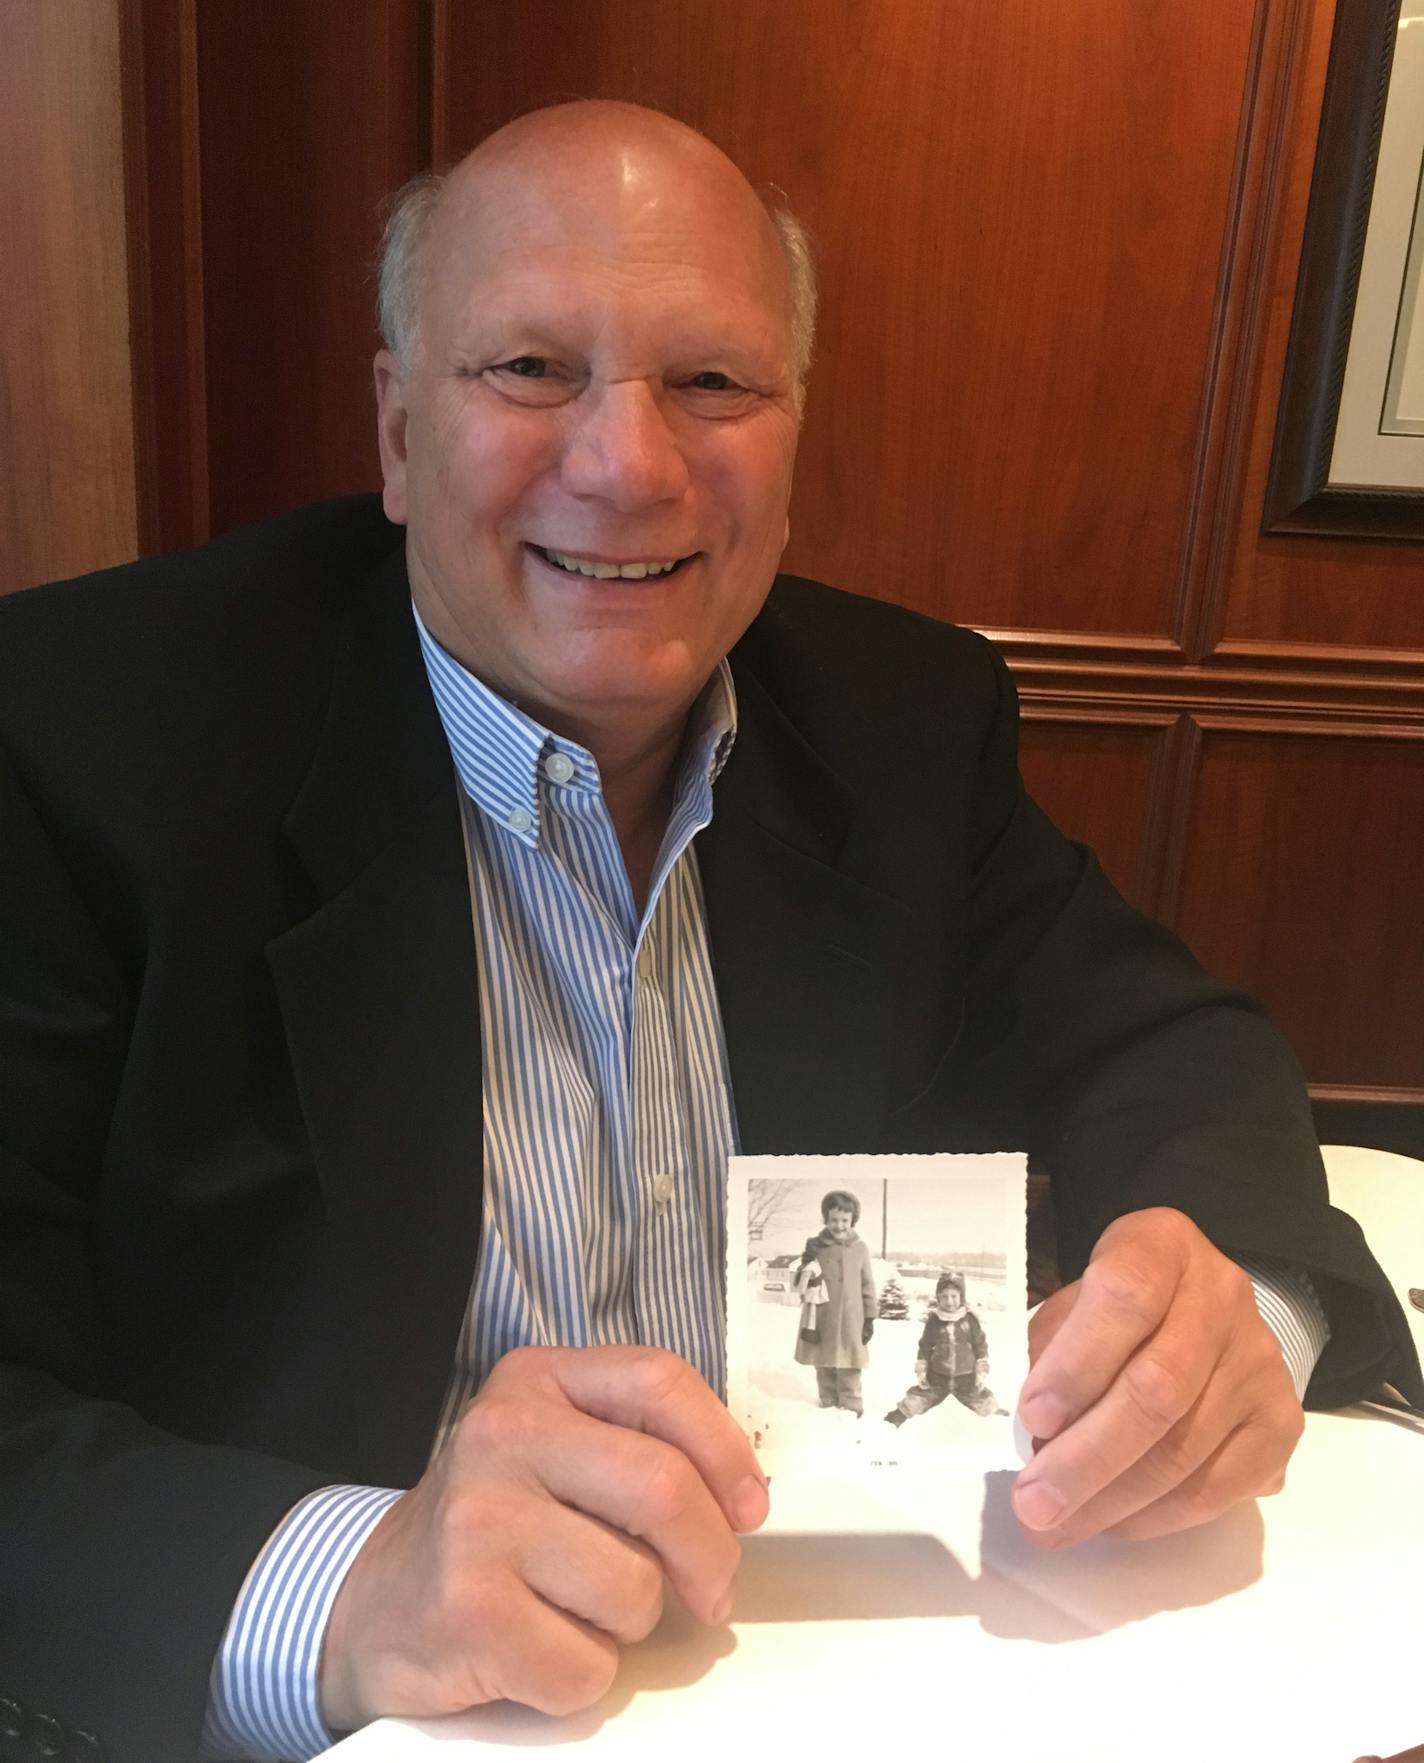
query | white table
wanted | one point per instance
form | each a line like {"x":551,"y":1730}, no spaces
{"x":1291,"y":1630}
{"x":1385,"y":1194}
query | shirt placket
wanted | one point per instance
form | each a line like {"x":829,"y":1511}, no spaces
{"x":583,"y":841}
{"x":677,"y":1281}
{"x":659,"y":1184}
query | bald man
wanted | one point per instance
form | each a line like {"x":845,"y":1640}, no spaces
{"x":381,"y":996}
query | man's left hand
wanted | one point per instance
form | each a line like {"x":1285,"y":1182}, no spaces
{"x":1159,"y":1395}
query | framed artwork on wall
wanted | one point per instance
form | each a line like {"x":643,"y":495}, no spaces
{"x":1349,"y":447}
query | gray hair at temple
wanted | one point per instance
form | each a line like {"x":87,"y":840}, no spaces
{"x":398,"y":272}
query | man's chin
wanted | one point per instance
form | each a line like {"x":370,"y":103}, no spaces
{"x":613,"y":694}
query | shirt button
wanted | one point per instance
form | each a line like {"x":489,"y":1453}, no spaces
{"x":558,"y":768}
{"x":662,"y":1189}
{"x":520,"y":820}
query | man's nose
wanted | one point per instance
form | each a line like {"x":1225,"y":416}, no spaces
{"x":623,"y":450}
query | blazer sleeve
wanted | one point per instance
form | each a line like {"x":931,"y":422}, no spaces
{"x":122,"y":1547}
{"x":1145,"y":1082}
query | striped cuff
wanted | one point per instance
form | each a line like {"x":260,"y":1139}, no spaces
{"x":1292,"y":1310}
{"x":263,"y":1697}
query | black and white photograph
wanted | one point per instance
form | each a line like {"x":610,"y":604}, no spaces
{"x":876,"y":1306}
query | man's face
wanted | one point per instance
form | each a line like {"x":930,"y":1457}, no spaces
{"x":838,"y":1222}
{"x":602,"y":382}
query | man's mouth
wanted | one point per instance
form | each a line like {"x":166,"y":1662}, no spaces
{"x":635,"y":570}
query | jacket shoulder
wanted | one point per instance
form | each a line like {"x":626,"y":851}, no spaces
{"x":814,"y":646}
{"x":799,"y":610}
{"x":194,"y":674}
{"x":319,"y":546}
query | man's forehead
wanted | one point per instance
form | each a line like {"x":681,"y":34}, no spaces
{"x":612,"y":146}
{"x":548,"y":195}
{"x":611,"y":208}
{"x":573,"y":283}
{"x":569,"y":268}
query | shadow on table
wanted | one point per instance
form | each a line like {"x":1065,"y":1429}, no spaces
{"x":883,"y":1576}
{"x":1106,"y":1583}
{"x":850,"y":1576}
{"x":1022,"y":1593}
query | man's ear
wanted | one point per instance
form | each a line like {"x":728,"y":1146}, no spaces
{"x":391,"y":417}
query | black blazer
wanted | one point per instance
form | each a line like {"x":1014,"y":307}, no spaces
{"x":240,"y":1113}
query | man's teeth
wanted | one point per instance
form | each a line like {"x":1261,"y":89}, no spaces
{"x":632,"y":572}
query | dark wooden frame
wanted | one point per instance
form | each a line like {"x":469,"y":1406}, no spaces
{"x":1299,"y":498}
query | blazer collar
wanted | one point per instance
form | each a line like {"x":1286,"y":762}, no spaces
{"x":379,"y":997}
{"x":382,"y":753}
{"x":805,"y":954}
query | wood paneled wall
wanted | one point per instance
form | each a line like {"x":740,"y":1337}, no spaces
{"x":1059,"y":247}
{"x":67,"y":495}
{"x":263,"y":140}
{"x":1018,"y":210}
{"x":297,"y":156}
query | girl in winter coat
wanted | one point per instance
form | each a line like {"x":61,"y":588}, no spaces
{"x":846,"y":1319}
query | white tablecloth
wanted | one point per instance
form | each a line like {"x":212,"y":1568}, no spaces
{"x":905,"y":1615}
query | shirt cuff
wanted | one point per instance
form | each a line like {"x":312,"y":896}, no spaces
{"x":263,"y":1700}
{"x":1291,"y":1309}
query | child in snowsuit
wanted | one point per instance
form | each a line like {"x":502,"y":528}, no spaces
{"x":953,"y":1358}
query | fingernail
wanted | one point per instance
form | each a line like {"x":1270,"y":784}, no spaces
{"x":750,"y":1503}
{"x":1044,"y":1414}
{"x":723,"y":1608}
{"x":1038,"y":1504}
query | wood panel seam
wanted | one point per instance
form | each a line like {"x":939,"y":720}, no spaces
{"x":1264,"y":715}
{"x":1373,"y":1094}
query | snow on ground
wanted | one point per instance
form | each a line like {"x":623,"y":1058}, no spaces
{"x":784,"y":1408}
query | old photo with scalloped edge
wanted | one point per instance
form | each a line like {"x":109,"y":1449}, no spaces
{"x":877,"y":1306}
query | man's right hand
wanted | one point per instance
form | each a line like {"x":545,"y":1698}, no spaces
{"x":539,"y":1537}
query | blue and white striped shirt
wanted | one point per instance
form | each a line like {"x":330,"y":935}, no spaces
{"x":607,"y":1126}
{"x":607,"y":1114}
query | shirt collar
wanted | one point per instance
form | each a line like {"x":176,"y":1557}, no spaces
{"x":503,"y":756}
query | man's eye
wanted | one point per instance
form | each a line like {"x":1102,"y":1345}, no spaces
{"x":713,"y":382}
{"x":526,"y":367}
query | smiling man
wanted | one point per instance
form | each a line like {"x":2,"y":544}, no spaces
{"x":589,"y":433}
{"x":405,"y":914}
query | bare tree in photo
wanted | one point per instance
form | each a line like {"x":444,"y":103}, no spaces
{"x":768,"y":1203}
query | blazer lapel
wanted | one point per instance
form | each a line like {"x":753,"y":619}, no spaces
{"x":379,"y":996}
{"x":804,"y":954}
